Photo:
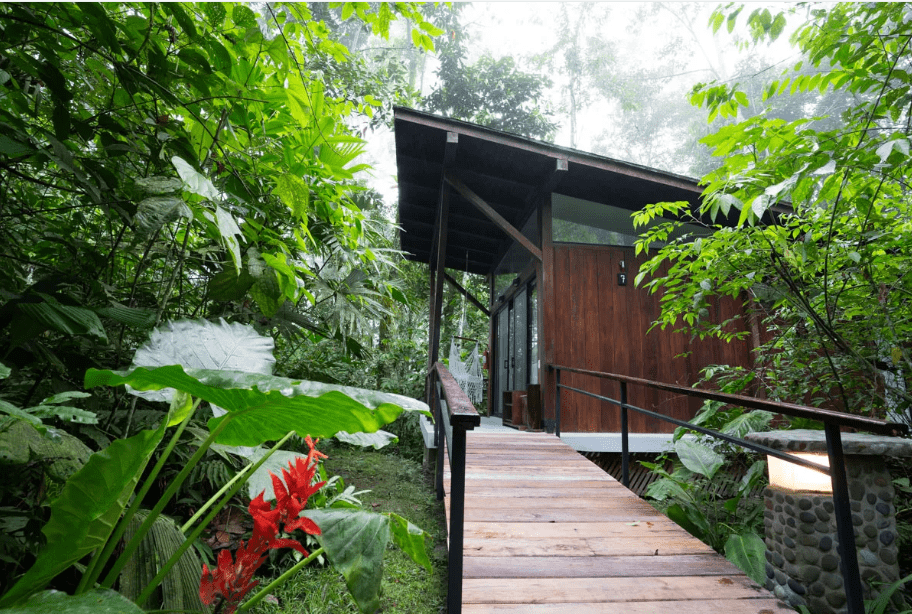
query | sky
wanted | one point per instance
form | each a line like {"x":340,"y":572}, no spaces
{"x":524,"y":29}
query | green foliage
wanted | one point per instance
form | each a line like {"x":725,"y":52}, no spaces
{"x":810,"y":221}
{"x":180,"y":588}
{"x":396,"y":485}
{"x":491,"y":92}
{"x":263,"y":407}
{"x":83,"y":517}
{"x":86,"y":518}
{"x":97,"y":601}
{"x":748,"y":552}
{"x":694,"y":494}
{"x":179,"y":160}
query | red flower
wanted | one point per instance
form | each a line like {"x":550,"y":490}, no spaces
{"x":292,"y":495}
{"x":232,"y":580}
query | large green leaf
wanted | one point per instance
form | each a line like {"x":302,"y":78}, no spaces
{"x":355,"y":541}
{"x":699,"y":458}
{"x":748,"y":552}
{"x":377,"y":440}
{"x":264,"y":407}
{"x":98,"y":601}
{"x":22,"y":442}
{"x":691,"y":522}
{"x":155,"y":211}
{"x":201,"y":344}
{"x":85,"y":513}
{"x":65,"y":318}
{"x":748,"y":422}
{"x":410,"y":539}
{"x":180,"y":588}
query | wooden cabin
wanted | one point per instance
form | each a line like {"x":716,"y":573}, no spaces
{"x":550,"y":228}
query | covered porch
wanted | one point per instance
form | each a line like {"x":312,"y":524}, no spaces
{"x":550,"y":229}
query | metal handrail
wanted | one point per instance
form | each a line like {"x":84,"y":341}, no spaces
{"x":455,"y":413}
{"x":832,"y":420}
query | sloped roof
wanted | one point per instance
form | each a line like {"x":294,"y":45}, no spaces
{"x":510,"y":173}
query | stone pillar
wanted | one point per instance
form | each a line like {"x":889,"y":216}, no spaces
{"x":803,"y":566}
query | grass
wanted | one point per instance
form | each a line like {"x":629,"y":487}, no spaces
{"x":397,"y":485}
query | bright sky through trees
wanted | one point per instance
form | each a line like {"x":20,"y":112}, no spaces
{"x":646,"y":37}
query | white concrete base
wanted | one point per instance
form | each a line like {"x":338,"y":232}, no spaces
{"x":427,"y":431}
{"x":583,"y":442}
{"x":611,"y":442}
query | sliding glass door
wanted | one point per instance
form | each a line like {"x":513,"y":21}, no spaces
{"x":516,"y":344}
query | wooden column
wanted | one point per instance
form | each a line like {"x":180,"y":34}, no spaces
{"x":547,"y":292}
{"x":549,"y":324}
{"x":438,"y":261}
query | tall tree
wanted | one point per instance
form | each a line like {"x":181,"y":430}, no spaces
{"x":175,"y":160}
{"x":492,"y":92}
{"x":819,"y":232}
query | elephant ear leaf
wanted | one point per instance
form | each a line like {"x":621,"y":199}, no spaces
{"x":354,"y":541}
{"x":262,"y":408}
{"x":98,"y":601}
{"x":200,"y":344}
{"x":89,"y":506}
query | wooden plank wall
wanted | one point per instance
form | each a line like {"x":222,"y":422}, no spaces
{"x":597,"y":324}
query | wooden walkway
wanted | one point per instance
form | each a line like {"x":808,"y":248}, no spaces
{"x":547,"y":531}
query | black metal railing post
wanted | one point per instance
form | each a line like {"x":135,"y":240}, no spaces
{"x":845,"y":531}
{"x":457,"y":515}
{"x":557,"y":388}
{"x":459,"y":417}
{"x":832,"y":421}
{"x":625,"y":444}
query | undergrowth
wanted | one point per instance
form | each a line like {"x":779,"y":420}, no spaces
{"x":397,"y":485}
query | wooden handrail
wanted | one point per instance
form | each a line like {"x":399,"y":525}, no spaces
{"x":832,"y":421}
{"x":459,"y":407}
{"x":451,"y":427}
{"x":862,"y":423}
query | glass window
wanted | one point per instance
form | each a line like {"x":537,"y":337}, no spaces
{"x":517,"y":258}
{"x":533,"y":335}
{"x":583,"y":221}
{"x":519,"y":360}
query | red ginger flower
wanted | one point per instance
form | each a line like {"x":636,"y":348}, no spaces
{"x":232,"y":580}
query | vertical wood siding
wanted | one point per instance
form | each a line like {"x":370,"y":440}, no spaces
{"x":596,"y":324}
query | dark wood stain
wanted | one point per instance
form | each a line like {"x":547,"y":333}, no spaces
{"x":596,"y":324}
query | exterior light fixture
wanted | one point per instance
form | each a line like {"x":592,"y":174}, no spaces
{"x":795,"y":478}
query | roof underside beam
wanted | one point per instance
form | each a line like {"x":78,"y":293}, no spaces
{"x":491,"y":214}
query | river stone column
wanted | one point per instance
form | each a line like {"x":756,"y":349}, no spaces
{"x":803,"y":566}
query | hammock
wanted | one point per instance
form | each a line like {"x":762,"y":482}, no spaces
{"x":468,"y":373}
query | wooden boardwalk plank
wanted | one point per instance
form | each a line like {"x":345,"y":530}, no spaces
{"x":604,"y":590}
{"x":548,"y":531}
{"x":728,"y":606}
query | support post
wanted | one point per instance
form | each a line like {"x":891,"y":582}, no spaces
{"x":845,"y":531}
{"x":457,"y":515}
{"x":438,"y":277}
{"x":625,"y":445}
{"x":557,"y":403}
